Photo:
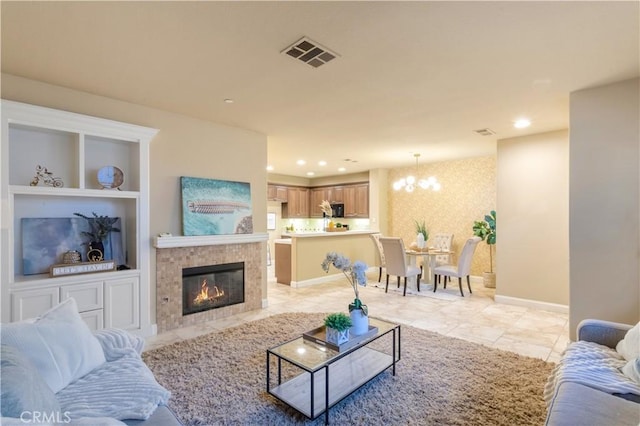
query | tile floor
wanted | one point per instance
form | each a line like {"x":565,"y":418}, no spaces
{"x":476,"y":318}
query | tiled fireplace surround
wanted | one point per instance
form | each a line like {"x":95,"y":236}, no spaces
{"x":169,"y":264}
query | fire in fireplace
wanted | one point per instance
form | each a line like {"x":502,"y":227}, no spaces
{"x":211,"y":287}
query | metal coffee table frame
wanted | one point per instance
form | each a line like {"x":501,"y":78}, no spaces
{"x":344,"y":372}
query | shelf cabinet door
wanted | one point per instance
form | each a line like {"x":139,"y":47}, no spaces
{"x":31,"y":303}
{"x":93,"y":319}
{"x":88,"y":296}
{"x":122,"y":303}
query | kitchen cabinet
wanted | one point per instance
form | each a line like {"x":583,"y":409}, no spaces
{"x":356,"y":201}
{"x":297,"y":205}
{"x":277,"y":193}
{"x":318,"y":195}
{"x":333,"y":194}
{"x":336,"y":194}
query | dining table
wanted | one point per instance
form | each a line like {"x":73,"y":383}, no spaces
{"x":429,"y":260}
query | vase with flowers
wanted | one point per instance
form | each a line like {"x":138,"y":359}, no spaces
{"x":356,"y":274}
{"x":327,"y":212}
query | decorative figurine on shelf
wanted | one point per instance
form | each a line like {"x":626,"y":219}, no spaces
{"x":44,"y":175}
{"x":99,"y":228}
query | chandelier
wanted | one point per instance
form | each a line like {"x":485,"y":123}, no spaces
{"x":410,"y":182}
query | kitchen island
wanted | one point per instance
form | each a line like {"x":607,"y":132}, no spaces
{"x":301,"y":254}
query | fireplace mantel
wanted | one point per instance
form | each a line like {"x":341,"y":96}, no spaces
{"x":208,"y":240}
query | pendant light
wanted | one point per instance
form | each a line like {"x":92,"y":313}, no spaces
{"x":410,"y":182}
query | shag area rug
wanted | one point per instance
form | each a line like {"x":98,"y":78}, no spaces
{"x":220,"y":379}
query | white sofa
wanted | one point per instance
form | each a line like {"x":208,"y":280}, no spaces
{"x":597,"y":381}
{"x":55,"y":371}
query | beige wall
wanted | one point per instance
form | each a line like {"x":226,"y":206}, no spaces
{"x":183,"y":147}
{"x":533,"y":204}
{"x":468,"y":193}
{"x":604,"y":203}
{"x":379,"y":200}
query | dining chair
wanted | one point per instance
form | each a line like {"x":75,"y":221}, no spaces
{"x":381,"y":263}
{"x":396,"y":262}
{"x":442,"y":241}
{"x":463,"y":269}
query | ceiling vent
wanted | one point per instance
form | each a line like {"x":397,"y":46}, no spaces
{"x":310,"y":52}
{"x":485,"y":132}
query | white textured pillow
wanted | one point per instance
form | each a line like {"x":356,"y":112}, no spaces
{"x":58,"y":343}
{"x":632,"y":370}
{"x":629,"y":347}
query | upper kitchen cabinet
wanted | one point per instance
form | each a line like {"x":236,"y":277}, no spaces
{"x":297,"y":205}
{"x":356,"y":200}
{"x":277,"y":193}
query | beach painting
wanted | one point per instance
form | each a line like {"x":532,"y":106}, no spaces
{"x":215,"y":207}
{"x":45,"y":240}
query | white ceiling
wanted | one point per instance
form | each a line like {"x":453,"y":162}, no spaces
{"x":412,"y":76}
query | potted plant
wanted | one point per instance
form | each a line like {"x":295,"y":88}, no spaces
{"x":422,"y":234}
{"x":337,"y":327}
{"x":486,"y":229}
{"x":99,"y":229}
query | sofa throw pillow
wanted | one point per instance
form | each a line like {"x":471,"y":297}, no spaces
{"x":58,"y":343}
{"x":632,"y":370}
{"x":23,"y":390}
{"x":629,"y":347}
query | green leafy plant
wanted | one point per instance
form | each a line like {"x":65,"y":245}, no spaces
{"x":421,"y":228}
{"x":338,"y":321}
{"x":486,"y":229}
{"x":99,"y":226}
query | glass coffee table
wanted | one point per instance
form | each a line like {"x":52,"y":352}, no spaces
{"x":317,"y":377}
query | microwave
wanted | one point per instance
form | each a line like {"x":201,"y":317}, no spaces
{"x":337,"y":210}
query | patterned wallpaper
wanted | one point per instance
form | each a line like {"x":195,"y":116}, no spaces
{"x":468,"y":193}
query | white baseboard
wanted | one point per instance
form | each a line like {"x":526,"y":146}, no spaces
{"x":535,"y":304}
{"x":324,"y":279}
{"x":315,"y":281}
{"x":150,"y":330}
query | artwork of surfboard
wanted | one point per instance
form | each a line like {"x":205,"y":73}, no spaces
{"x":215,"y":207}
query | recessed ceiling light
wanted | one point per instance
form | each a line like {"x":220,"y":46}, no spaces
{"x":342,"y":169}
{"x":322,"y":163}
{"x":301,"y":162}
{"x":228,"y":101}
{"x":310,"y":173}
{"x":521,"y":123}
{"x":270,"y":168}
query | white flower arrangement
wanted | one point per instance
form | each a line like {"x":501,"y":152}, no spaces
{"x":355,"y":273}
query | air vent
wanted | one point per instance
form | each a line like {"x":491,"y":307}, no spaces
{"x":485,"y":132}
{"x":310,"y":52}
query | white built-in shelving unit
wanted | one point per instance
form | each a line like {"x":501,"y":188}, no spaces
{"x":74,"y":147}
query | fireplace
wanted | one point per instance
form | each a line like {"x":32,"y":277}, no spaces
{"x":212,"y":287}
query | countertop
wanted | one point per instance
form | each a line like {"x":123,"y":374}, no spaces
{"x":326,"y":234}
